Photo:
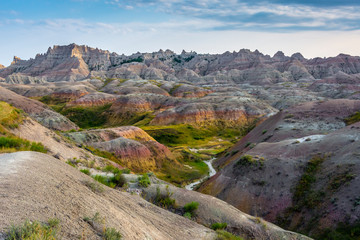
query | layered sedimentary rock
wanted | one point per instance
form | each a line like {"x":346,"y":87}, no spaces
{"x":278,"y":153}
{"x":133,"y":146}
{"x":38,"y":111}
{"x":73,"y":62}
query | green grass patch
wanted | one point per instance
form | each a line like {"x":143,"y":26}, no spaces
{"x":10,"y":117}
{"x":303,"y":187}
{"x":224,"y":235}
{"x":164,"y":200}
{"x":191,"y":208}
{"x":117,"y":180}
{"x":218,"y":226}
{"x":34,"y":230}
{"x":13,"y":143}
{"x":144,"y":180}
{"x":85,"y":171}
{"x":130,"y":118}
{"x":353,"y":119}
{"x":87,"y":117}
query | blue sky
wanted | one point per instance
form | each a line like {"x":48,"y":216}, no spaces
{"x":314,"y":28}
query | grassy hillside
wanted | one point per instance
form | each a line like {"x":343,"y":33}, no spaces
{"x":10,"y":118}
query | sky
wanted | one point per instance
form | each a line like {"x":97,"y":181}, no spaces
{"x":316,"y":28}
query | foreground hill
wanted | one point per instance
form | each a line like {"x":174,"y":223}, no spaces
{"x":38,"y":187}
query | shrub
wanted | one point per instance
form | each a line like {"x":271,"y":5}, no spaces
{"x":118,"y":179}
{"x":34,"y":230}
{"x":165,"y":200}
{"x":187,"y":215}
{"x":224,"y":235}
{"x":144,"y":180}
{"x":86,"y":171}
{"x":112,"y":234}
{"x":38,"y":147}
{"x":218,"y":226}
{"x":191,"y":207}
{"x":19,"y":144}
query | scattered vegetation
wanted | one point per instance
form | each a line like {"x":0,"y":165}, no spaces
{"x":353,"y":119}
{"x":341,"y":179}
{"x":218,"y":226}
{"x":94,"y":186}
{"x":87,"y":117}
{"x":172,"y":90}
{"x":144,"y":180}
{"x":164,"y":200}
{"x":303,"y":195}
{"x":10,"y":117}
{"x":190,"y":208}
{"x":138,"y":59}
{"x":34,"y":230}
{"x":98,"y":224}
{"x":85,"y":171}
{"x":117,"y":180}
{"x":248,"y":161}
{"x":112,"y":234}
{"x":343,"y":231}
{"x":13,"y":143}
{"x":224,"y":235}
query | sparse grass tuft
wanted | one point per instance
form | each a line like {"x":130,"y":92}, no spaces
{"x":94,"y":186}
{"x":34,"y":231}
{"x":353,"y":119}
{"x":224,"y":235}
{"x":112,"y":234}
{"x":218,"y":226}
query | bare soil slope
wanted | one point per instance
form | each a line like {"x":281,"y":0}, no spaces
{"x":36,"y":186}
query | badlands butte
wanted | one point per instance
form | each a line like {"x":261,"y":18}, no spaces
{"x":95,"y":145}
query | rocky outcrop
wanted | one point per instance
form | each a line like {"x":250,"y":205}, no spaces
{"x":73,"y":62}
{"x":231,"y":110}
{"x":70,"y":196}
{"x":340,"y":85}
{"x":93,"y":99}
{"x":143,"y":102}
{"x":133,"y":146}
{"x":37,"y":111}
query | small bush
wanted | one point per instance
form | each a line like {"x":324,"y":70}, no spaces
{"x":112,"y":234}
{"x":118,"y":179}
{"x":224,"y":235}
{"x":191,"y":207}
{"x":218,"y":226}
{"x":86,"y":171}
{"x":187,"y":215}
{"x":144,"y":180}
{"x":165,"y":200}
{"x":234,"y":152}
{"x":34,"y":231}
{"x":38,"y":147}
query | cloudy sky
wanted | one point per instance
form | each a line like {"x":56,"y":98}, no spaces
{"x":312,"y":27}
